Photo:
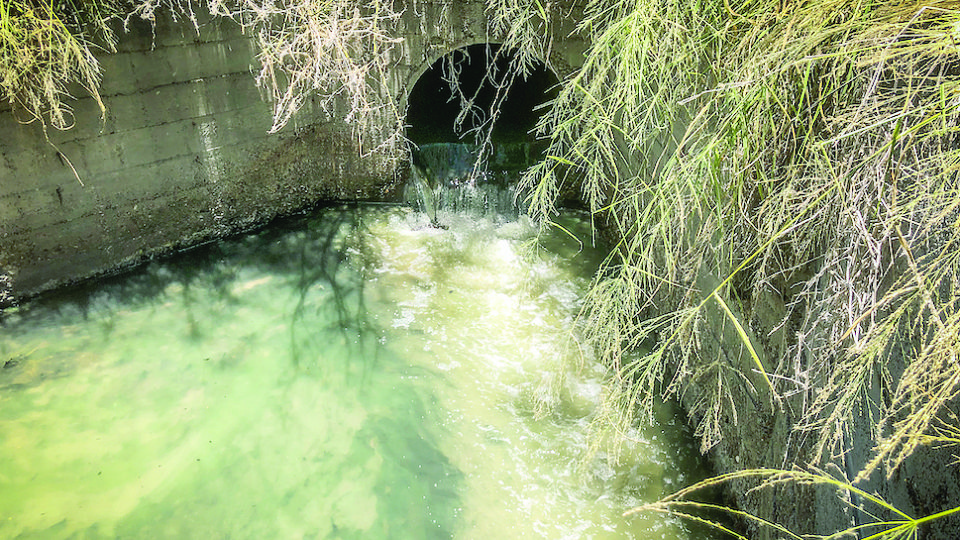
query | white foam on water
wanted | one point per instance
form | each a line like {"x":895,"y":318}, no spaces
{"x":431,"y":392}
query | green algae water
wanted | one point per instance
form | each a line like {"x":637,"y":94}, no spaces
{"x":350,"y":374}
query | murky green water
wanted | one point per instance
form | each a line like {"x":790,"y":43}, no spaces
{"x":353,"y":374}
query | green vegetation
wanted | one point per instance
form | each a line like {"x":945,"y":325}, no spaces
{"x":899,"y":525}
{"x":785,"y":171}
{"x":45,"y":46}
{"x":334,"y":48}
{"x":337,"y":48}
{"x":779,"y":180}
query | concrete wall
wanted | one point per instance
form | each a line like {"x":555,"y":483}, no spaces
{"x":183,"y":154}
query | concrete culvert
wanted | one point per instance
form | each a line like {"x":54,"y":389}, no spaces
{"x":471,"y":118}
{"x":483,"y":78}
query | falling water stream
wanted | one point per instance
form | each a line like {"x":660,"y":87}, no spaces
{"x":354,"y":373}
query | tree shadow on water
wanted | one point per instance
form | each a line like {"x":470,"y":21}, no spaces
{"x":330,"y":321}
{"x":418,"y":489}
{"x":307,"y":253}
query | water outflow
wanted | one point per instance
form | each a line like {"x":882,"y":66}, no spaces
{"x":422,"y":192}
{"x":454,"y":178}
{"x":351,"y":374}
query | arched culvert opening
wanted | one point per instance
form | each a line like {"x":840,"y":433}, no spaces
{"x":478,"y":91}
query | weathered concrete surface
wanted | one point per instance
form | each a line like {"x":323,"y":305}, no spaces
{"x":183,"y":154}
{"x":764,"y":435}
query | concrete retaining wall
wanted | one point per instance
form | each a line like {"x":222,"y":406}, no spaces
{"x":182,"y":156}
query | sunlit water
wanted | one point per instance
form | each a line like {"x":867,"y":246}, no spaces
{"x":352,"y":374}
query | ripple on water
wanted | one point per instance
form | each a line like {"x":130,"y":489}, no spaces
{"x":351,"y":374}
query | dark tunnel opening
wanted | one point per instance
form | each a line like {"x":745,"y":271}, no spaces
{"x":470,"y":121}
{"x":478,"y":70}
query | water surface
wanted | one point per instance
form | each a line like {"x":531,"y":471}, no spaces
{"x":350,"y":374}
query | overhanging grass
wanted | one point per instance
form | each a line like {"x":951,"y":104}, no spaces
{"x":890,"y":523}
{"x":45,"y":47}
{"x":804,"y":154}
{"x":802,"y":149}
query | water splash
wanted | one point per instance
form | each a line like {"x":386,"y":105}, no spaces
{"x":451,"y":178}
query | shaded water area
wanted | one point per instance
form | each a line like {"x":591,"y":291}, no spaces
{"x":354,"y":373}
